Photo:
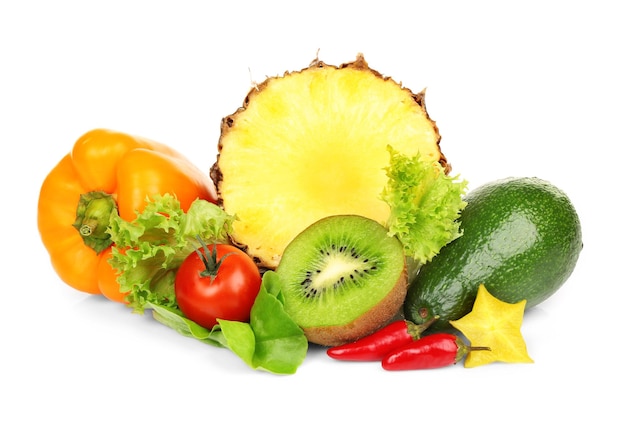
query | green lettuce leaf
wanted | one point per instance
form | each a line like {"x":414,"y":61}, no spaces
{"x":280,"y":344}
{"x":271,"y":341}
{"x":149,"y":250}
{"x":425,"y":205}
{"x":176,"y":320}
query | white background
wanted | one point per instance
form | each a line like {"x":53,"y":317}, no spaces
{"x":517,"y":89}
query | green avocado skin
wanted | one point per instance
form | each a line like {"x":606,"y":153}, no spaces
{"x":521,"y":239}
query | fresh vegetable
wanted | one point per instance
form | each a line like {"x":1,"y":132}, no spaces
{"x":496,"y":324}
{"x":217,"y":282}
{"x":431,"y":351}
{"x":107,"y":174}
{"x":271,"y":341}
{"x":425,"y":205}
{"x":377,"y":345}
{"x":150,"y":249}
{"x":312,"y":144}
{"x":521,"y":239}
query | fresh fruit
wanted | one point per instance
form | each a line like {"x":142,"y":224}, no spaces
{"x":342,"y":278}
{"x":497,"y":325}
{"x":217,"y":282}
{"x":313,"y":143}
{"x":521,"y":239}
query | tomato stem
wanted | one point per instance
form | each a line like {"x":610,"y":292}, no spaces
{"x":209,"y":259}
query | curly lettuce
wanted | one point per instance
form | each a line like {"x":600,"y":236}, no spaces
{"x":425,"y":205}
{"x":148,"y":251}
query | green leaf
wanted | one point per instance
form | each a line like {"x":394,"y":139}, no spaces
{"x":239,"y":338}
{"x":184,"y":326}
{"x":281,"y":345}
{"x":425,"y":205}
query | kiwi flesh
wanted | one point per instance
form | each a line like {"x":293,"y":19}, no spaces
{"x":342,"y":278}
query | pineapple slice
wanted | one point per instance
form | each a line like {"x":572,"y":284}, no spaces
{"x":311,"y":144}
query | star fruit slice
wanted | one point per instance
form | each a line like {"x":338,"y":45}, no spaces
{"x":495,"y":324}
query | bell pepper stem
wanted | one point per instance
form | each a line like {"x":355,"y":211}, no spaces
{"x":93,"y":216}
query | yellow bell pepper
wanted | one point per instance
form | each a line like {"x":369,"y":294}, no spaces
{"x":107,"y":172}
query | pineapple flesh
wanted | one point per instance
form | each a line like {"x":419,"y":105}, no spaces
{"x":313,"y":143}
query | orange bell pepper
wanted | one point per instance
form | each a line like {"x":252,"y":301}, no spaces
{"x":106,"y":173}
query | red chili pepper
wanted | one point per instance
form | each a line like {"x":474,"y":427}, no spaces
{"x":432,"y":351}
{"x":377,"y":345}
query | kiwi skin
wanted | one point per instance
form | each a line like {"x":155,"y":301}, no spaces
{"x":369,"y":322}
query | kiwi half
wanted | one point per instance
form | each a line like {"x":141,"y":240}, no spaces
{"x":342,"y":278}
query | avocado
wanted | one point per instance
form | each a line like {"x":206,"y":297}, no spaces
{"x":521,"y":239}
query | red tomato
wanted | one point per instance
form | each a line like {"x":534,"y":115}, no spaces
{"x":222,"y":283}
